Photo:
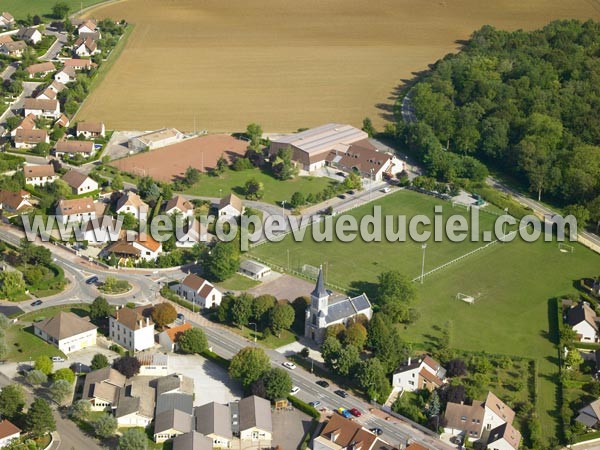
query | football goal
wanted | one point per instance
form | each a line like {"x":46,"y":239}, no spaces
{"x":465,"y":298}
{"x":565,"y":248}
{"x":310,"y":271}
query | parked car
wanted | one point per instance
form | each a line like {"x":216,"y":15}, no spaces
{"x":376,"y":431}
{"x":91,"y":280}
{"x":36,"y":303}
{"x":323,"y":383}
{"x":58,"y":359}
{"x":294,"y":390}
{"x":342,"y":196}
{"x":341,"y":174}
{"x":180,"y":317}
{"x":386,"y":190}
{"x":315,"y":404}
{"x":341,"y":393}
{"x":355,"y":412}
{"x":344,"y":412}
{"x":350,"y":192}
{"x":289,"y":365}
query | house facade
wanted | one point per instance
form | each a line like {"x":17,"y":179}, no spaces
{"x":91,"y":130}
{"x":198,"y":291}
{"x":131,"y":329}
{"x":230,"y":206}
{"x":8,"y":433}
{"x":14,"y":202}
{"x":583,"y":320}
{"x":39,"y":175}
{"x":419,"y":373}
{"x":30,"y":138}
{"x":72,"y":147}
{"x":131,"y":203}
{"x":79,"y":182}
{"x":66,"y":331}
{"x":76,"y":210}
{"x":49,"y":109}
{"x":102,"y":388}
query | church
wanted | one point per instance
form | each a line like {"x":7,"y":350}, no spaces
{"x":325,"y":310}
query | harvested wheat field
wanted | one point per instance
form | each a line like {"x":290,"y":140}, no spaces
{"x":287,"y":64}
{"x":170,"y":162}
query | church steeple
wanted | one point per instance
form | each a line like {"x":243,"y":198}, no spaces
{"x":319,"y":297}
{"x":320,"y":291}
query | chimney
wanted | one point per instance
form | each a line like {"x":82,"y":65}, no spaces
{"x":409,"y":360}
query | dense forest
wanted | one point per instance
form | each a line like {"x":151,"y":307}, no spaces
{"x":525,"y":103}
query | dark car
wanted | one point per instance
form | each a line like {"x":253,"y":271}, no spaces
{"x":376,"y":431}
{"x":323,"y":383}
{"x":341,"y":393}
{"x":342,"y":196}
{"x":91,"y":280}
{"x":355,"y":412}
{"x":350,"y":192}
{"x":36,"y":303}
{"x":315,"y":404}
{"x":340,"y":174}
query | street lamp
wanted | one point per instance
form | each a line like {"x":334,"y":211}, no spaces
{"x":371,"y":184}
{"x":424,"y":246}
{"x":283,"y":208}
{"x":504,"y":227}
{"x":255,"y":330}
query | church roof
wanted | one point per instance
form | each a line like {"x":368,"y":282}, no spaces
{"x":320,"y":290}
{"x":347,"y":307}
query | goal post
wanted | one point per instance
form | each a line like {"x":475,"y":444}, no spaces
{"x":465,"y":298}
{"x":565,"y":248}
{"x":311,"y":271}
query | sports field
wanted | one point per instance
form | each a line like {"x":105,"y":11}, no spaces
{"x":286,"y":64}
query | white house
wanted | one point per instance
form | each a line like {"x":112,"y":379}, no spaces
{"x":131,"y":329}
{"x":419,"y":373}
{"x":230,"y":206}
{"x":131,"y":203}
{"x":363,"y":157}
{"x":49,"y":109}
{"x":179,"y":205}
{"x":8,"y":433}
{"x":584,"y":321}
{"x":168,"y":338}
{"x":255,"y":420}
{"x":6,"y":20}
{"x":72,"y":147}
{"x":39,"y":175}
{"x":131,"y":413}
{"x":66,"y":331}
{"x":253,"y":269}
{"x":40,"y":69}
{"x":30,"y":34}
{"x":90,"y":130}
{"x":79,"y":64}
{"x":28,"y":123}
{"x":102,"y":388}
{"x":147,"y":249}
{"x":47,"y":94}
{"x":87,"y":27}
{"x":79,"y":182}
{"x":30,"y":138}
{"x":85,"y":47}
{"x":153,"y":364}
{"x":66,"y":75}
{"x":198,"y":291}
{"x":76,"y":210}
{"x":504,"y":437}
{"x":214,"y":421}
{"x":13,"y":202}
{"x":14,"y":49}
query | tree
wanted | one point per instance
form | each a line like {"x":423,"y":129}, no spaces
{"x":60,"y":10}
{"x":164,"y":314}
{"x":395,"y":293}
{"x":581,"y":214}
{"x":573,"y":359}
{"x":80,"y":410}
{"x":117,"y":182}
{"x":283,"y":166}
{"x":99,"y":308}
{"x":221,"y":165}
{"x":261,"y":305}
{"x":13,"y":122}
{"x":368,"y":127}
{"x":241,"y":309}
{"x":127,"y":365}
{"x":336,"y":330}
{"x":278,"y":384}
{"x":148,"y":189}
{"x":356,"y":335}
{"x":253,"y":189}
{"x":105,"y":426}
{"x":39,"y":419}
{"x":129,"y":221}
{"x":300,"y":304}
{"x":281,"y":318}
{"x":254,"y":132}
{"x":64,"y":374}
{"x":99,"y":361}
{"x":12,"y":400}
{"x":36,"y":377}
{"x":434,"y":405}
{"x":192,"y":176}
{"x":456,"y":368}
{"x":249,"y":364}
{"x":330,"y":350}
{"x":373,"y":380}
{"x":298,"y":199}
{"x":11,"y":284}
{"x":352,"y":181}
{"x":222,"y":262}
{"x":60,"y":390}
{"x":347,"y":361}
{"x":133,"y":439}
{"x":192,"y":341}
{"x":44,"y":364}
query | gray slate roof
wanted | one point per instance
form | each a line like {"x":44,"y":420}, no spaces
{"x":192,"y":441}
{"x":255,"y":412}
{"x":127,"y":404}
{"x":347,"y":307}
{"x":181,"y":402}
{"x":173,"y":419}
{"x":213,"y":418}
{"x":319,"y":290}
{"x":167,"y":384}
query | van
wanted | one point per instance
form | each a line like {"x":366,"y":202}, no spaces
{"x":58,"y":359}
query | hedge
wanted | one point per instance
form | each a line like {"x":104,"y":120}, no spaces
{"x":502,"y":201}
{"x":170,"y":295}
{"x":586,"y":437}
{"x":304,"y":407}
{"x":224,"y":363}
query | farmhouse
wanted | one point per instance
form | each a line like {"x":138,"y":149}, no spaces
{"x":49,"y":109}
{"x":131,"y":329}
{"x":6,"y":20}
{"x":341,"y":433}
{"x":90,"y":130}
{"x":230,"y":206}
{"x":421,"y":373}
{"x":85,"y":47}
{"x":179,"y":205}
{"x":76,"y":210}
{"x":79,"y":64}
{"x":66,"y":75}
{"x":14,"y":49}
{"x":311,"y":147}
{"x":79,"y":182}
{"x":66,"y":331}
{"x":253,"y":269}
{"x":102,"y":388}
{"x":131,"y":203}
{"x":363,"y":158}
{"x":14,"y":202}
{"x":71,"y":147}
{"x":28,"y":123}
{"x":168,"y":338}
{"x":584,"y":321}
{"x":41,"y":69}
{"x":30,"y":138}
{"x":198,"y":291}
{"x":39,"y":175}
{"x":29,"y":34}
{"x":325,"y":310}
{"x":147,"y":249}
{"x":8,"y":433}
{"x":155,"y":139}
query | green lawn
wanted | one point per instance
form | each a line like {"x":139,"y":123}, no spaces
{"x":23,"y":345}
{"x":81,"y":310}
{"x":275,"y":190}
{"x":238,"y":283}
{"x":271,"y":341}
{"x":21,"y":8}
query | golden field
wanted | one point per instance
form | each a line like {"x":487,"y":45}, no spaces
{"x":286,"y":64}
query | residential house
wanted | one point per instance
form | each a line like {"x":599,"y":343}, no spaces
{"x":102,"y":230}
{"x":214,"y":421}
{"x":192,"y":441}
{"x":198,"y":291}
{"x":39,"y":175}
{"x":29,"y":34}
{"x":174,"y":384}
{"x":345,"y":434}
{"x":363,"y":158}
{"x":87,"y":26}
{"x":153,"y":364}
{"x":326,"y":310}
{"x":131,"y":203}
{"x":5,"y":38}
{"x":65,"y":75}
{"x":181,"y":401}
{"x":230,"y":206}
{"x":72,"y":147}
{"x":49,"y":109}
{"x":155,"y":139}
{"x":589,"y":415}
{"x":85,"y":47}
{"x":57,"y":87}
{"x":8,"y":433}
{"x":168,"y":338}
{"x":90,"y":130}
{"x":584,"y":321}
{"x":102,"y":388}
{"x":480,"y":421}
{"x":170,"y":424}
{"x":189,"y":234}
{"x":14,"y":49}
{"x":30,"y":138}
{"x":132,"y":329}
{"x":504,"y":437}
{"x":47,"y":94}
{"x":147,"y":249}
{"x":135,"y":405}
{"x":40,"y":70}
{"x":79,"y":64}
{"x":66,"y":331}
{"x":419,"y":373}
{"x":14,"y":202}
{"x":79,"y":182}
{"x":179,"y":205}
{"x":63,"y":121}
{"x":28,"y":123}
{"x":6,"y":20}
{"x":255,"y":420}
{"x":253,"y":269}
{"x":76,"y":210}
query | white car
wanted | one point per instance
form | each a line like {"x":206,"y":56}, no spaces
{"x":289,"y":365}
{"x":294,"y":390}
{"x":386,"y":190}
{"x":58,"y":359}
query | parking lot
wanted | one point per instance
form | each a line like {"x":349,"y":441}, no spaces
{"x":289,"y":427}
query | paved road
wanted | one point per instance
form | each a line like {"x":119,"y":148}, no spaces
{"x":8,"y":72}
{"x":56,"y":47}
{"x":28,"y":89}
